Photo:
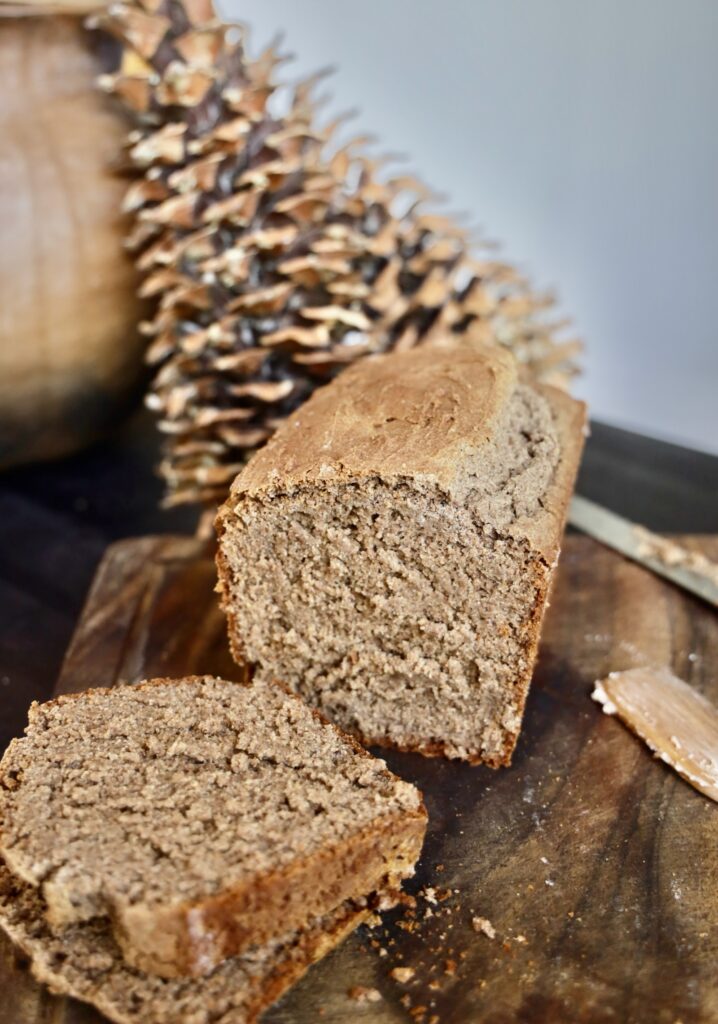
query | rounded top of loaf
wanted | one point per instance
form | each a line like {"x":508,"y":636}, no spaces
{"x":406,"y":413}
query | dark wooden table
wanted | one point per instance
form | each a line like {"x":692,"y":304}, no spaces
{"x":595,"y":937}
{"x":56,"y":520}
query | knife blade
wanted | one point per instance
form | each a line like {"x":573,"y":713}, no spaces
{"x":685,"y":568}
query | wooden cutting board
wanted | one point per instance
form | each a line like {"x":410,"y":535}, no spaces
{"x":596,"y":866}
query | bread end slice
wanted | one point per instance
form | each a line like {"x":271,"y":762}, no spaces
{"x":85,"y":963}
{"x":192,"y":938}
{"x":200,"y":817}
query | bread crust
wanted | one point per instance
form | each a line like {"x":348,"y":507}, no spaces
{"x":200,"y":935}
{"x":285,"y":968}
{"x":340,"y":436}
{"x":545,"y":535}
{"x":429,"y":408}
{"x":191,"y":937}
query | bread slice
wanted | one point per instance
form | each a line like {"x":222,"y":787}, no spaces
{"x":85,"y":962}
{"x":201,"y":817}
{"x":388,"y":553}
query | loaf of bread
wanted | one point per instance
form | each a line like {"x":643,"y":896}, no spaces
{"x":388,"y":554}
{"x":198,"y":818}
{"x":84,"y":962}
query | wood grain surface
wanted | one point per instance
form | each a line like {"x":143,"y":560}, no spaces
{"x":596,"y":865}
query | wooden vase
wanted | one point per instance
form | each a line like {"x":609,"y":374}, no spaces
{"x":70,"y":354}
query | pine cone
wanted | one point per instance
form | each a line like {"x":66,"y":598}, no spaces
{"x":275,"y":257}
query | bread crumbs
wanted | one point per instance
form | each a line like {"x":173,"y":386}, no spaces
{"x":402,"y":974}
{"x":361,"y":994}
{"x":483,"y":926}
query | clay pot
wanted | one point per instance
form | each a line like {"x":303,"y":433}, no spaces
{"x":70,"y":354}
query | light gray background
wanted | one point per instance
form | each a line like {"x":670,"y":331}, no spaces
{"x":584,"y":137}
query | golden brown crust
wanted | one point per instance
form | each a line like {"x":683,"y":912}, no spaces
{"x":545,"y":529}
{"x":207,"y":932}
{"x":90,"y":968}
{"x":192,"y":937}
{"x":431,"y":403}
{"x":444,"y":403}
{"x":546,"y":534}
{"x":313,"y":947}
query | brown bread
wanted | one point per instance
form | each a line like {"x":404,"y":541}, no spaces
{"x":84,"y":962}
{"x":389,"y":553}
{"x":200,"y":817}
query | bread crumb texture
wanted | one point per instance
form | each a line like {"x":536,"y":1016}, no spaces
{"x":483,"y":926}
{"x":388,"y":554}
{"x":199,"y":815}
{"x":85,"y":962}
{"x":363,"y":994}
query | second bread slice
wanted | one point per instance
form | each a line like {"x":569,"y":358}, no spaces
{"x":201,"y":817}
{"x":85,"y":963}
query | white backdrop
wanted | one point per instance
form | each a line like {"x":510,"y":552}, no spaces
{"x":583,"y":136}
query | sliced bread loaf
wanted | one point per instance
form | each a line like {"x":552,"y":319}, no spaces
{"x":201,"y":817}
{"x":388,"y":553}
{"x":84,"y":962}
